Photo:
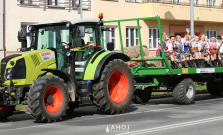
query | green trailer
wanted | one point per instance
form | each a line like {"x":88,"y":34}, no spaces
{"x":178,"y":81}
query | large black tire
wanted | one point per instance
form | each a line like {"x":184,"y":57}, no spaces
{"x":112,"y":94}
{"x":142,"y":96}
{"x":48,"y":99}
{"x":214,"y":88}
{"x":6,"y":111}
{"x":184,"y":92}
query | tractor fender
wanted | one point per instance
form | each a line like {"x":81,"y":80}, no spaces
{"x":106,"y":60}
{"x":70,"y":80}
{"x":58,"y":73}
{"x":98,"y":61}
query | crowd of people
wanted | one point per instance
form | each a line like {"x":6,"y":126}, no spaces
{"x":193,"y":52}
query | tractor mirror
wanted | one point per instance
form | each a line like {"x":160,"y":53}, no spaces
{"x":21,"y":35}
{"x":22,"y":38}
{"x":110,"y":46}
{"x":81,"y":31}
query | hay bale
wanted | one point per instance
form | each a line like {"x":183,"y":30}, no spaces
{"x":134,"y":51}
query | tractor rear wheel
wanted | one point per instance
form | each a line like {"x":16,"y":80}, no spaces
{"x":48,"y":99}
{"x":6,"y":111}
{"x":113,"y":93}
{"x":214,"y":88}
{"x":184,"y":92}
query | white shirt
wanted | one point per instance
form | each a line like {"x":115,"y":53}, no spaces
{"x":221,"y":46}
{"x":170,"y":46}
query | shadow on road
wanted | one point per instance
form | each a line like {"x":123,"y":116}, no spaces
{"x":90,"y":110}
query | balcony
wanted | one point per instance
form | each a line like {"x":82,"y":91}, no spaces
{"x":180,"y":11}
{"x":55,"y":4}
{"x":177,"y":2}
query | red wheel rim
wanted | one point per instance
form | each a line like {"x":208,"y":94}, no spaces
{"x":118,"y":86}
{"x":3,"y":107}
{"x":56,"y":97}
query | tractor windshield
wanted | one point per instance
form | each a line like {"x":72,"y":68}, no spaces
{"x":53,"y":37}
{"x":88,"y":42}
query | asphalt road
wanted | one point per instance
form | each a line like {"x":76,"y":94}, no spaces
{"x":158,"y":117}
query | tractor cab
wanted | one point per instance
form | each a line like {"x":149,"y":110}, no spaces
{"x":79,"y":39}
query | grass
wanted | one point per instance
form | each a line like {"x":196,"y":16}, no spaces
{"x":200,"y":87}
{"x":21,"y":107}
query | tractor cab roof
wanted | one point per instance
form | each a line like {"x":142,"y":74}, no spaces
{"x":75,"y":21}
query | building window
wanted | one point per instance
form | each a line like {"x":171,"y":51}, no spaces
{"x":76,"y":4}
{"x":55,"y":2}
{"x":109,"y":36}
{"x":28,"y":2}
{"x":211,"y":3}
{"x":175,"y":1}
{"x":132,"y":37}
{"x":211,"y":33}
{"x":196,"y":2}
{"x":153,"y":38}
{"x":132,"y":0}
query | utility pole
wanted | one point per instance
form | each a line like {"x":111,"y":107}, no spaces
{"x":192,"y":18}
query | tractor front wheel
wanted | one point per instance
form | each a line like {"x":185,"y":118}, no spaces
{"x":48,"y":99}
{"x":113,"y":93}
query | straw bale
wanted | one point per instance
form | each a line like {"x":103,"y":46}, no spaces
{"x":134,"y":51}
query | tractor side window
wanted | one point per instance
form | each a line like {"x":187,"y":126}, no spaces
{"x":53,"y":37}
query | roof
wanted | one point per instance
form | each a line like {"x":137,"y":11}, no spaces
{"x":75,"y":21}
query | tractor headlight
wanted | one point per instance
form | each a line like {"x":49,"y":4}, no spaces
{"x":8,"y":73}
{"x":9,"y":70}
{"x":8,"y":77}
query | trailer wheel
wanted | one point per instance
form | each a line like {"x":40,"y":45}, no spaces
{"x":184,"y":92}
{"x":142,"y":96}
{"x":6,"y":111}
{"x":48,"y":99}
{"x":113,"y":93}
{"x":214,"y":88}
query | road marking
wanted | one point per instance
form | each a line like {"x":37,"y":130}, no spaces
{"x":178,"y":125}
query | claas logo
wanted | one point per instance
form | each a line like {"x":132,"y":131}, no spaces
{"x":46,"y":53}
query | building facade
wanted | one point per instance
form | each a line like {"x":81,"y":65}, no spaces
{"x":20,"y":13}
{"x":174,"y":14}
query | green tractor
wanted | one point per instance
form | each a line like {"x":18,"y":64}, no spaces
{"x":64,"y":65}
